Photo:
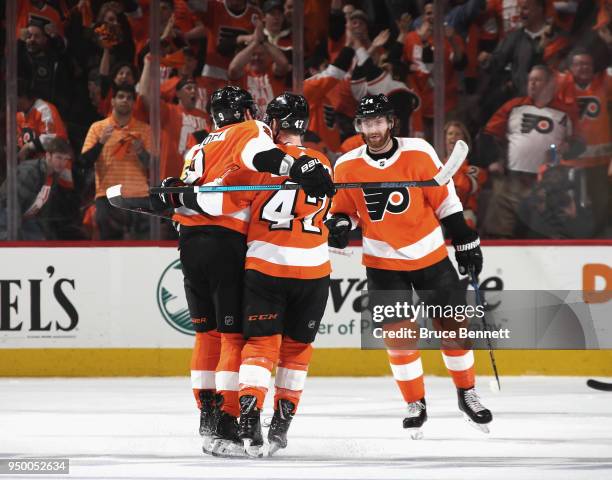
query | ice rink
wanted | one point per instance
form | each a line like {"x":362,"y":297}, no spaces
{"x":347,"y":428}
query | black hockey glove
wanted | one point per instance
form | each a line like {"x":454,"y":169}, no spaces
{"x":469,"y":256}
{"x":339,"y":227}
{"x":466,"y":243}
{"x":166,"y":201}
{"x":312,"y":176}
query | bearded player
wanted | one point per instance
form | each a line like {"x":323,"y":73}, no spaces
{"x":404,"y":248}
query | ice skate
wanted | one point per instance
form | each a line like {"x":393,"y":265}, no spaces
{"x":277,"y":435}
{"x":249,"y":430}
{"x":417,"y":416}
{"x":207,"y":417}
{"x":474,"y":412}
{"x":225,"y":441}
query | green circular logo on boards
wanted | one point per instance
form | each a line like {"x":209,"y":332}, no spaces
{"x":171,"y":299}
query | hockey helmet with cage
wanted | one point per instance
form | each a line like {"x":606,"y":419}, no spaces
{"x":371,"y":106}
{"x":291,"y":111}
{"x":228,"y":105}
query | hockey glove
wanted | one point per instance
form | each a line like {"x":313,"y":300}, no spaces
{"x":166,"y":201}
{"x":339,"y":227}
{"x":469,"y":256}
{"x":312,"y":176}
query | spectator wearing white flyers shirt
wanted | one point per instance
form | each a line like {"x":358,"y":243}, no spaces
{"x":526,"y":127}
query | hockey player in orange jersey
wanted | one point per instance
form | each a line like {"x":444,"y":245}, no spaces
{"x":286,"y":286}
{"x":212,"y":246}
{"x":403,"y":244}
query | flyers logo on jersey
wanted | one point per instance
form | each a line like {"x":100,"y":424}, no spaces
{"x":381,"y":200}
{"x":531,"y":121}
{"x":589,"y":107}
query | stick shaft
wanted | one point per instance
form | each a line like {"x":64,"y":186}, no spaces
{"x":474,"y":282}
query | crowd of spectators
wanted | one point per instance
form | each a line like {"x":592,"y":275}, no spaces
{"x":527,"y":85}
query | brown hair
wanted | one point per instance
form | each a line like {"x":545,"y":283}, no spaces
{"x":466,"y":133}
{"x":58,"y":145}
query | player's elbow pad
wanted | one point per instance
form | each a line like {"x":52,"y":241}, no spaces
{"x":272,"y":161}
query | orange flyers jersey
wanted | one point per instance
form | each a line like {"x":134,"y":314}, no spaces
{"x":262,"y":87}
{"x":400,"y":226}
{"x":286,"y":235}
{"x":221,"y":25}
{"x":413,"y":52}
{"x":593,"y":117}
{"x":42,"y":119}
{"x":352,"y":143}
{"x":225,"y":157}
{"x":468,"y":181}
{"x":317,"y":90}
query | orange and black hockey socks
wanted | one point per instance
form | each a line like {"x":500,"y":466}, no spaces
{"x":460,"y":364}
{"x":408,"y":373}
{"x":226,"y":377}
{"x":204,"y":360}
{"x":292,"y":370}
{"x":259,"y":356}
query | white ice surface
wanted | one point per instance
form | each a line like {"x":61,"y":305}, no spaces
{"x":347,"y":428}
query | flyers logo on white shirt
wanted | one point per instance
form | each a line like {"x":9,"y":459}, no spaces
{"x":539,"y":123}
{"x":381,"y":200}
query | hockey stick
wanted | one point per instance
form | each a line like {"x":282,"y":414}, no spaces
{"x":474,"y":282}
{"x":133,"y":204}
{"x":441,"y":178}
{"x":597,"y":385}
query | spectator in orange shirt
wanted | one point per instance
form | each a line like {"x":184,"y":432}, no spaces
{"x":178,"y":120}
{"x":273,"y":27}
{"x":262,"y":68}
{"x":119,"y":148}
{"x":418,"y":49}
{"x":593,"y":92}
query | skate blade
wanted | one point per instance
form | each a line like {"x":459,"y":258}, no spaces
{"x":227,"y":449}
{"x":254,"y":451}
{"x":481,"y":427}
{"x":415,"y":433}
{"x":273,"y":448}
{"x":207,"y":444}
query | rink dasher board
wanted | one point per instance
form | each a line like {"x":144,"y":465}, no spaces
{"x":132,"y":298}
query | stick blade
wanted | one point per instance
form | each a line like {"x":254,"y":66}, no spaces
{"x":597,"y":385}
{"x":133,"y":204}
{"x":456,"y":158}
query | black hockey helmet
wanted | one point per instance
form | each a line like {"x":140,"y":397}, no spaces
{"x":228,"y":104}
{"x":291,"y":111}
{"x":374,"y":106}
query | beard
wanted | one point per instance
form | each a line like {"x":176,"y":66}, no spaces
{"x":376,"y":141}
